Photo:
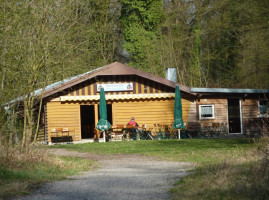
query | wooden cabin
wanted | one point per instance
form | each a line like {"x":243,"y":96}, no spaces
{"x":71,"y":105}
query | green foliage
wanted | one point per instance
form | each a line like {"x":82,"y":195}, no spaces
{"x":216,"y":43}
{"x":140,"y":21}
{"x":195,"y":65}
{"x":194,"y":150}
{"x":54,"y":38}
{"x":243,"y":177}
{"x":229,"y":36}
{"x":48,"y":41}
{"x":20,"y":181}
{"x":224,"y":168}
{"x":222,"y":43}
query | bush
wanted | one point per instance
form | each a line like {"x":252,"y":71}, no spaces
{"x":15,"y":157}
{"x":260,"y":172}
{"x":241,"y":176}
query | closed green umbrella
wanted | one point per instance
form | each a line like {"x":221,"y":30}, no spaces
{"x":103,"y":124}
{"x":178,"y":123}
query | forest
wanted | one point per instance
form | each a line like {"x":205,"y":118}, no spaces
{"x":211,"y":43}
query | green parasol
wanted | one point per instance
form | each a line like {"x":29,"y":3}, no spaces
{"x":178,"y":123}
{"x":103,"y":124}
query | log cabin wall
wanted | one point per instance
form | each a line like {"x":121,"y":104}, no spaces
{"x":140,"y":85}
{"x":63,"y":115}
{"x":249,"y":108}
{"x":250,"y":111}
{"x":146,"y":111}
{"x":221,"y":112}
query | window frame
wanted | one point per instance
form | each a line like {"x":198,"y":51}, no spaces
{"x":259,"y":113}
{"x":213,"y":109}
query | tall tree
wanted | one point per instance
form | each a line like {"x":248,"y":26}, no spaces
{"x":140,"y":22}
{"x":217,"y":43}
{"x":45,"y":41}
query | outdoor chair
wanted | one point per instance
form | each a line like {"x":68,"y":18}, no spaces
{"x":54,"y":132}
{"x":66,"y":136}
{"x":172,"y":134}
{"x":184,"y":134}
{"x":194,"y":129}
{"x":159,"y":132}
{"x":55,"y":137}
{"x":116,"y":133}
{"x":145,"y":134}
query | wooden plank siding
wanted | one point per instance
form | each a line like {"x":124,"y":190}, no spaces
{"x":249,"y":108}
{"x":63,"y":115}
{"x":221,"y":113}
{"x":140,"y":85}
{"x":148,"y":112}
{"x":250,"y":111}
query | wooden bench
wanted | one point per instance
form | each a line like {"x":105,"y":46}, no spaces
{"x":59,"y":135}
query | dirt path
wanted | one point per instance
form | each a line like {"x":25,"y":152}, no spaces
{"x":119,"y":177}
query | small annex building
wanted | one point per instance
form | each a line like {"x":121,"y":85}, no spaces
{"x":240,"y":111}
{"x":71,"y":105}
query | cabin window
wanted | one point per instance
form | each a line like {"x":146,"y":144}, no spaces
{"x":206,"y":112}
{"x":263,"y":107}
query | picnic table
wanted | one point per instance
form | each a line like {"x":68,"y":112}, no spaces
{"x":128,"y":132}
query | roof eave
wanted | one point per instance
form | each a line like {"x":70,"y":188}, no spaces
{"x":105,"y":71}
{"x":229,"y":91}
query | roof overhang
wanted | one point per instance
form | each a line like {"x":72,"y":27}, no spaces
{"x":118,"y":97}
{"x":113,"y":69}
{"x":229,"y":90}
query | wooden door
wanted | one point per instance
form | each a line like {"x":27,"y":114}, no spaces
{"x":234,"y":115}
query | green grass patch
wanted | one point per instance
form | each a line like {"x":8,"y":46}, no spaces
{"x":16,"y":182}
{"x":224,"y":168}
{"x":194,"y":150}
{"x":227,"y":180}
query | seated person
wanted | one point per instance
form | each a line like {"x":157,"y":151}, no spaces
{"x":132,"y":122}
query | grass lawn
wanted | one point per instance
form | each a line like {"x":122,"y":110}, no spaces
{"x":224,"y":168}
{"x":21,"y":179}
{"x":194,"y":150}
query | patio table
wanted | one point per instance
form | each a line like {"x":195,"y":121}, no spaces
{"x":211,"y":130}
{"x":131,"y":132}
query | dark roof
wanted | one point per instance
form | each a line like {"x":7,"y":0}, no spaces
{"x":229,"y":90}
{"x":115,"y":68}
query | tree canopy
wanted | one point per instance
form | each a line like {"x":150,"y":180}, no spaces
{"x":220,"y":43}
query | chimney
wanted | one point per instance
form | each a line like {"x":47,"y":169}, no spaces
{"x":171,"y":74}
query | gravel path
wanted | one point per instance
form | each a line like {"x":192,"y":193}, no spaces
{"x":119,"y":177}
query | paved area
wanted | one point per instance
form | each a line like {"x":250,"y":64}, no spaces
{"x":119,"y":177}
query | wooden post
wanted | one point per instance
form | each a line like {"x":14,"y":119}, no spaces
{"x":96,"y":114}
